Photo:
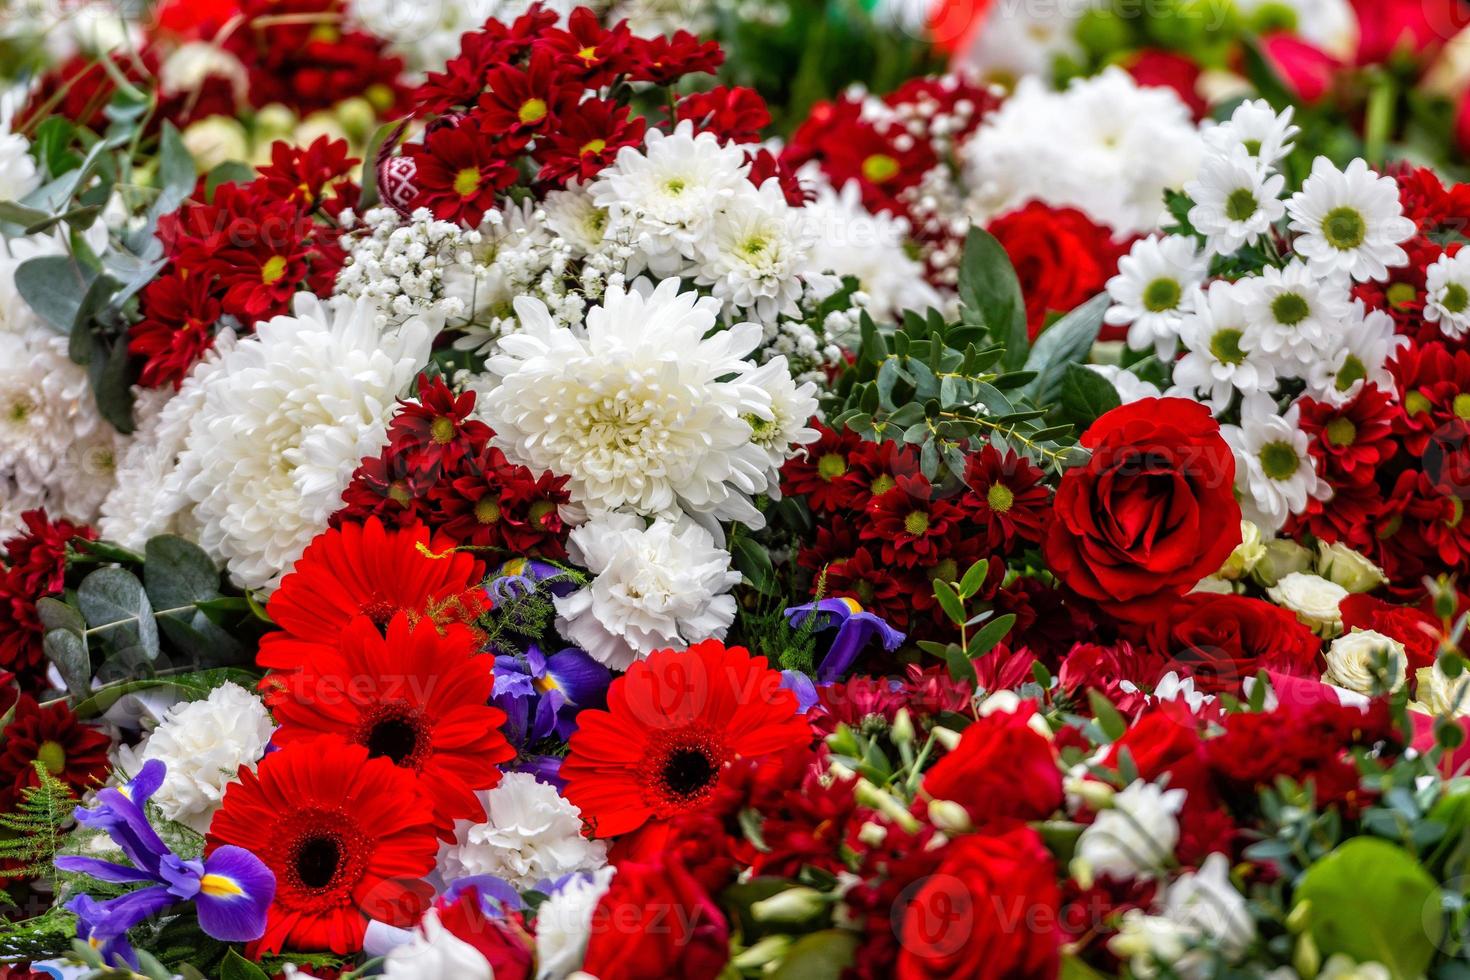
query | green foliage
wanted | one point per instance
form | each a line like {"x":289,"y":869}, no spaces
{"x":988,"y":629}
{"x":520,"y":617}
{"x":35,"y":830}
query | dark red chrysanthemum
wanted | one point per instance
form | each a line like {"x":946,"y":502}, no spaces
{"x":348,"y":837}
{"x":587,"y":138}
{"x":34,"y":567}
{"x":435,"y":432}
{"x":734,"y":114}
{"x":525,"y":100}
{"x":821,"y":472}
{"x":365,"y":570}
{"x":1006,"y":499}
{"x":672,"y":723}
{"x":177,"y":329}
{"x":664,"y":59}
{"x":74,"y":753}
{"x":461,"y":168}
{"x":302,"y":175}
{"x":417,"y":696}
{"x":910,"y":524}
{"x":587,"y":51}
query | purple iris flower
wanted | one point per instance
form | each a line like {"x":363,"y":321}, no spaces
{"x":801,"y":685}
{"x":541,"y":695}
{"x":231,"y":889}
{"x":520,"y":576}
{"x":855,"y":628}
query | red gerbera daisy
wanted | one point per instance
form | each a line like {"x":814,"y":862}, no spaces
{"x":365,"y":570}
{"x":417,"y":697}
{"x":672,"y":723}
{"x":51,"y":735}
{"x":348,"y":838}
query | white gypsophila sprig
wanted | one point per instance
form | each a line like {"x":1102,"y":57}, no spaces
{"x":1349,"y":222}
{"x":401,"y":264}
{"x":1157,"y":283}
{"x":1447,"y":294}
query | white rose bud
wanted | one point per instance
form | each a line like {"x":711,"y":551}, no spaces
{"x":793,"y":906}
{"x":1246,"y":555}
{"x":1437,"y":693}
{"x":1341,"y":564}
{"x":1282,"y":557}
{"x":1314,"y":600}
{"x":214,"y":140}
{"x":950,"y":817}
{"x":1358,"y":662}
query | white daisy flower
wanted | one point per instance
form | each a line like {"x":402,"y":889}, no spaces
{"x":1350,"y":221}
{"x":1275,"y":474}
{"x":663,"y":585}
{"x":1158,"y":281}
{"x":646,"y":412}
{"x":1254,"y":127}
{"x":757,"y":251}
{"x":1130,"y":387}
{"x":1366,"y":342}
{"x":1447,"y":294}
{"x":664,"y":196}
{"x":1235,"y":203}
{"x":1295,"y":312}
{"x":1223,"y":353}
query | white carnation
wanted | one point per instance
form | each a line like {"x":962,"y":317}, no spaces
{"x":530,"y":834}
{"x":664,"y":585}
{"x":1136,"y":836}
{"x":564,"y":924}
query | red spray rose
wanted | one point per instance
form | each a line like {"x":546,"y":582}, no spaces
{"x":1220,"y":640}
{"x":656,"y":921}
{"x":1151,"y":513}
{"x":1061,"y":257}
{"x":1002,"y":769}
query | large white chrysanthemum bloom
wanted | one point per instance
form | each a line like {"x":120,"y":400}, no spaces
{"x":530,"y":834}
{"x":285,"y":419}
{"x":203,"y":744}
{"x":758,"y":250}
{"x":654,"y":587}
{"x":665,"y":196}
{"x":642,"y":410}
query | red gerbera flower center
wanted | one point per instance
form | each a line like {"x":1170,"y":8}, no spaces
{"x":398,"y":731}
{"x":379,"y":609}
{"x":683,"y":766}
{"x":325,"y":857}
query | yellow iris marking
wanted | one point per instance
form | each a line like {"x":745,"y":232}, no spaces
{"x":218,"y":886}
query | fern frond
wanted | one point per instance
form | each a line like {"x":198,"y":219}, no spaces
{"x":36,"y":829}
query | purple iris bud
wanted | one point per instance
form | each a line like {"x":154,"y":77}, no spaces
{"x":496,"y":895}
{"x":519,"y":576}
{"x":801,"y":685}
{"x":855,"y":628}
{"x":231,"y":889}
{"x":542,"y":695}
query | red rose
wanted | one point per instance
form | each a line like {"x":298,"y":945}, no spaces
{"x":1165,"y":69}
{"x":1414,"y":628}
{"x":1002,"y":769}
{"x":1305,"y":68}
{"x":1151,"y":513}
{"x":991,"y":909}
{"x":656,"y":921}
{"x":1220,"y":640}
{"x":1061,"y":257}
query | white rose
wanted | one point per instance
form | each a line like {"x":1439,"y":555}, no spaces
{"x":1341,"y":564}
{"x":1281,"y":558}
{"x":1437,"y":693}
{"x":1246,"y":555}
{"x":1355,"y":660}
{"x":1314,"y":600}
{"x":1134,"y":838}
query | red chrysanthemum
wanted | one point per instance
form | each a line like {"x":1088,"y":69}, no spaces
{"x":435,"y":432}
{"x":418,"y":697}
{"x":365,"y":570}
{"x":911,"y":525}
{"x":587,"y":138}
{"x":348,"y":838}
{"x":72,"y":752}
{"x":1006,"y":500}
{"x":587,"y":51}
{"x":663,"y":60}
{"x":734,"y":114}
{"x":821,"y":472}
{"x":525,"y":100}
{"x":672,"y":723}
{"x":34,"y":566}
{"x":463,"y":78}
{"x":302,"y":175}
{"x":461,"y":168}
{"x":1354,"y":440}
{"x":500,"y":504}
{"x":177,"y":329}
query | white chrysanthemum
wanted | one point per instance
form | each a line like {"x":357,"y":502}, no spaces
{"x":564,"y":924}
{"x":145,"y":501}
{"x":573,"y":216}
{"x":286,"y":417}
{"x":434,"y":951}
{"x":203,"y":744}
{"x":664,"y":585}
{"x":757,"y":251}
{"x":1106,"y":145}
{"x":665,"y":196}
{"x":1157,"y":283}
{"x":1315,"y":601}
{"x":1222,"y":351}
{"x":1136,"y":836}
{"x":1275,"y":474}
{"x":851,"y":241}
{"x":644,"y":412}
{"x":1365,"y":342}
{"x":1447,"y":294}
{"x":1234,"y":202}
{"x":1200,"y":911}
{"x":1019,"y":39}
{"x":18,"y":174}
{"x":530,"y":834}
{"x":1350,"y":222}
{"x":1360,"y":659}
{"x":1296,"y":312}
{"x":1255,"y":129}
{"x":782,"y":434}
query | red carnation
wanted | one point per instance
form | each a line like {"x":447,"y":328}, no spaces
{"x":1220,"y":640}
{"x":1002,"y":769}
{"x":990,"y":911}
{"x":1152,"y":511}
{"x":656,"y":921}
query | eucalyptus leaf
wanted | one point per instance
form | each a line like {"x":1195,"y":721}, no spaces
{"x":116,"y":602}
{"x":1086,"y":395}
{"x":989,"y":290}
{"x":1067,"y":341}
{"x":53,"y":286}
{"x":67,"y":650}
